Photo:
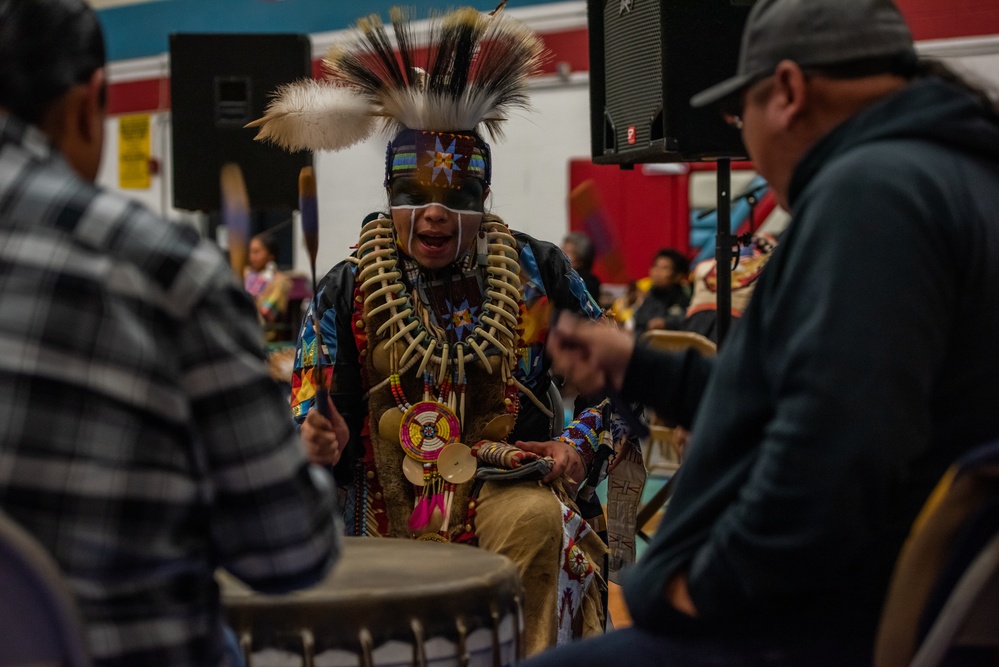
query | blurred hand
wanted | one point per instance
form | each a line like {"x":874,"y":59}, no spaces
{"x":324,"y":438}
{"x":590,"y":355}
{"x":678,"y":595}
{"x":567,"y":460}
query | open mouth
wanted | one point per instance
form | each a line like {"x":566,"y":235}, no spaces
{"x":433,"y":240}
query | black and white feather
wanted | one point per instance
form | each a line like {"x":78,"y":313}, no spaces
{"x":315,"y":115}
{"x":461,"y":71}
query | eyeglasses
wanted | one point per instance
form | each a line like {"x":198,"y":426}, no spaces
{"x":732,"y":107}
{"x":731,"y":110}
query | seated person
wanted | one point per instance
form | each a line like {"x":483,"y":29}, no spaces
{"x":578,"y":247}
{"x":862,"y":368}
{"x":664,"y":305}
{"x":431,"y":336}
{"x":141,"y":443}
{"x":268,"y":286}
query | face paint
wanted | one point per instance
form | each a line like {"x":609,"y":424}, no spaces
{"x":435,"y":218}
{"x":412,"y":231}
{"x":469,"y":197}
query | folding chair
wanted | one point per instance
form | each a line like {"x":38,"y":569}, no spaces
{"x":943,"y":603}
{"x":41,"y":625}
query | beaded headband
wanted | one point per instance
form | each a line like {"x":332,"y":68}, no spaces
{"x":438,"y":159}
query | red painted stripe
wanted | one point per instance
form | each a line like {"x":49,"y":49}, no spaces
{"x":570,"y":46}
{"x":139,"y":96}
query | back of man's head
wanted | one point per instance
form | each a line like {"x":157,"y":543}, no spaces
{"x":46,"y":47}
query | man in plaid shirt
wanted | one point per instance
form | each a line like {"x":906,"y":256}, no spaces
{"x":141,"y":439}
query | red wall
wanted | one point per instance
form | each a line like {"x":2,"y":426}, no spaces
{"x":939,"y":19}
{"x":643,"y":212}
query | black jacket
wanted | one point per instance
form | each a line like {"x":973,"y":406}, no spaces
{"x":864,"y":365}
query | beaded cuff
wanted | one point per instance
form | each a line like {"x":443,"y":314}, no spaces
{"x":584,"y":433}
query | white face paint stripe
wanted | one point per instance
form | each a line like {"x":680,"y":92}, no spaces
{"x":412,"y":231}
{"x":412,"y":222}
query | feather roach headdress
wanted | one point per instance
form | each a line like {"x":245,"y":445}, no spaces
{"x":436,"y":90}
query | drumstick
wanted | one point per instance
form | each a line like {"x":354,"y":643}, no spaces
{"x":235,"y":215}
{"x":308,"y":206}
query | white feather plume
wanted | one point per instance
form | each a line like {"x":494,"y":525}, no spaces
{"x":463,"y":71}
{"x":315,"y":115}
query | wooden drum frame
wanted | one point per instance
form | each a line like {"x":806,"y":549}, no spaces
{"x":385,"y":591}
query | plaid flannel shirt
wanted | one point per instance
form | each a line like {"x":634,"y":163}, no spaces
{"x":141,"y":439}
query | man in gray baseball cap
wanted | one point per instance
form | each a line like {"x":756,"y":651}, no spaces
{"x":863,"y":366}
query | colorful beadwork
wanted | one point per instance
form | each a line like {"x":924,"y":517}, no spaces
{"x":426,"y":428}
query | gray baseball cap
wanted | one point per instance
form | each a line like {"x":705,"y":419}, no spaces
{"x":812,"y":32}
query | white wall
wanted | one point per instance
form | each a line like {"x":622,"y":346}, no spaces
{"x":159,"y":195}
{"x":974,"y":57}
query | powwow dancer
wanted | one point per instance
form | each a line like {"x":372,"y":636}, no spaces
{"x":432,"y":332}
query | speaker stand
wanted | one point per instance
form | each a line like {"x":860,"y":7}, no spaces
{"x":725,"y":244}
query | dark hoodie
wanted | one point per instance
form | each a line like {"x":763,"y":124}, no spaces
{"x":864,"y":365}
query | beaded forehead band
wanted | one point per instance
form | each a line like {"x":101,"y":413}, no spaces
{"x":438,"y":159}
{"x":437,"y":88}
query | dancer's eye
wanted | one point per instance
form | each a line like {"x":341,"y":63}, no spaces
{"x":410,"y":194}
{"x":467,"y":197}
{"x":462,"y":200}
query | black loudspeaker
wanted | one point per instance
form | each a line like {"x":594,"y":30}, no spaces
{"x":218,"y":84}
{"x":647,"y":59}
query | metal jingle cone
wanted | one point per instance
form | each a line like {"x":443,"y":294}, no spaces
{"x":412,"y":470}
{"x":381,"y":357}
{"x":456,"y":464}
{"x":389,"y":424}
{"x":498,"y":427}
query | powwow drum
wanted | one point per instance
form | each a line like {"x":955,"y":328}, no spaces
{"x":387,"y":602}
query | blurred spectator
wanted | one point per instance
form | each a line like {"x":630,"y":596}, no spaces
{"x":623,"y":308}
{"x":578,"y":247}
{"x":268,"y":286}
{"x":665,"y":303}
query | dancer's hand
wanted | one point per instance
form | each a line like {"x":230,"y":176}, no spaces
{"x":591,"y":356}
{"x":324,"y":438}
{"x":566,"y":459}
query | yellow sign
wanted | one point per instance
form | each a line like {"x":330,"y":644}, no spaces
{"x":133,"y":151}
